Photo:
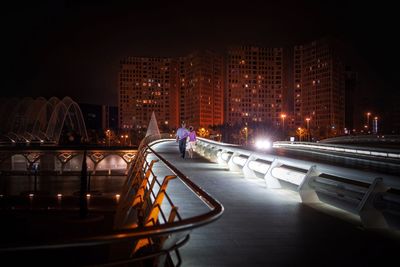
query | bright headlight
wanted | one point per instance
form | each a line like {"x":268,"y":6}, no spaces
{"x":263,"y":144}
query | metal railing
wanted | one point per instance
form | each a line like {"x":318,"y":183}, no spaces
{"x":368,"y":138}
{"x":360,"y":151}
{"x":372,"y":196}
{"x":151,"y":236}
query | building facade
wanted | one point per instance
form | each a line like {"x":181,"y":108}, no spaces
{"x":201,"y":82}
{"x":188,"y":89}
{"x":148,"y":84}
{"x":319,"y":88}
{"x":351,"y":84}
{"x":254,"y":85}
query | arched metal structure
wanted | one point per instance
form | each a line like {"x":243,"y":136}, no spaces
{"x":37,"y":119}
{"x":66,"y":112}
{"x":44,"y":115}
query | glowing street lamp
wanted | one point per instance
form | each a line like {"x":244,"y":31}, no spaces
{"x":368,"y":115}
{"x":108,"y":133}
{"x":126,"y":137}
{"x":300,"y":132}
{"x":308,"y":128}
{"x":283,"y":116}
{"x":246,"y":133}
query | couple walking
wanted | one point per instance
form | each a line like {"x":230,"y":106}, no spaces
{"x":182,"y":134}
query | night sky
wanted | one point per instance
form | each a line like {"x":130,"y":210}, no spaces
{"x":60,"y":48}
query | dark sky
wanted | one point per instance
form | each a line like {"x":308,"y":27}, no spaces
{"x":60,"y":48}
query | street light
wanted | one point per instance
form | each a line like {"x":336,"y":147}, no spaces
{"x":108,"y":132}
{"x":246,"y":133}
{"x":368,"y":114}
{"x":308,"y":129}
{"x":375,"y":125}
{"x":300,"y":132}
{"x":126,"y":137}
{"x":283,"y":116}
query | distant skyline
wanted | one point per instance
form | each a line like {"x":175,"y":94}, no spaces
{"x":73,"y":48}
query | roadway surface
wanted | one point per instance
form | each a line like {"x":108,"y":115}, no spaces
{"x":270,"y":227}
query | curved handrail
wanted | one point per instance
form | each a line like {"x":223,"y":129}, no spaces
{"x":355,"y":190}
{"x":203,"y":195}
{"x":377,"y":152}
{"x":391,"y":138}
{"x":259,"y":156}
{"x":216,"y":210}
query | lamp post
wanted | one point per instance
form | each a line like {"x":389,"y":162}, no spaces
{"x":368,"y":115}
{"x":299,"y":131}
{"x":308,"y":129}
{"x":375,"y":125}
{"x":283,"y":116}
{"x":126,"y":139}
{"x":246,"y":134}
{"x":108,"y":136}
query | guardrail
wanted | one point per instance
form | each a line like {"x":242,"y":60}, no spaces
{"x":144,"y":233}
{"x":362,"y":151}
{"x":374,"y":197}
{"x":369,"y":138}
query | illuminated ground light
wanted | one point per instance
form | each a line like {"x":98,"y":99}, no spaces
{"x":59,"y":195}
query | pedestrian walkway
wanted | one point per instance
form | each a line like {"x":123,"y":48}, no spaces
{"x":270,"y":227}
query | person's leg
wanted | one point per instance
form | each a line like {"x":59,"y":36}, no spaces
{"x":191,"y":150}
{"x":183,"y":147}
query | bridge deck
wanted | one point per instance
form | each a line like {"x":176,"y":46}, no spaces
{"x":264,"y":227}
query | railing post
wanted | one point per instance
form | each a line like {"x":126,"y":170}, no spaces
{"x":83,"y":208}
{"x":213,"y":154}
{"x":207,"y":151}
{"x":369,"y":215}
{"x":231,"y":165}
{"x":249,"y":173}
{"x":35,"y":174}
{"x":219,"y":156}
{"x":88,"y":182}
{"x":271,"y":181}
{"x":307,"y":192}
{"x":203,"y":147}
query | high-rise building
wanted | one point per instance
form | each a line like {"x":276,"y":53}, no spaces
{"x":201,"y":81}
{"x":186,"y":89}
{"x":254,"y":85}
{"x":351,"y":84}
{"x":148,"y":84}
{"x":319,"y":87}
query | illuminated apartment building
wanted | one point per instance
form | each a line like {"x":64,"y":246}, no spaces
{"x":254,"y":85}
{"x":351,"y":84}
{"x":186,"y":89}
{"x":319,"y":87}
{"x":147,"y":85}
{"x":201,"y":80}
